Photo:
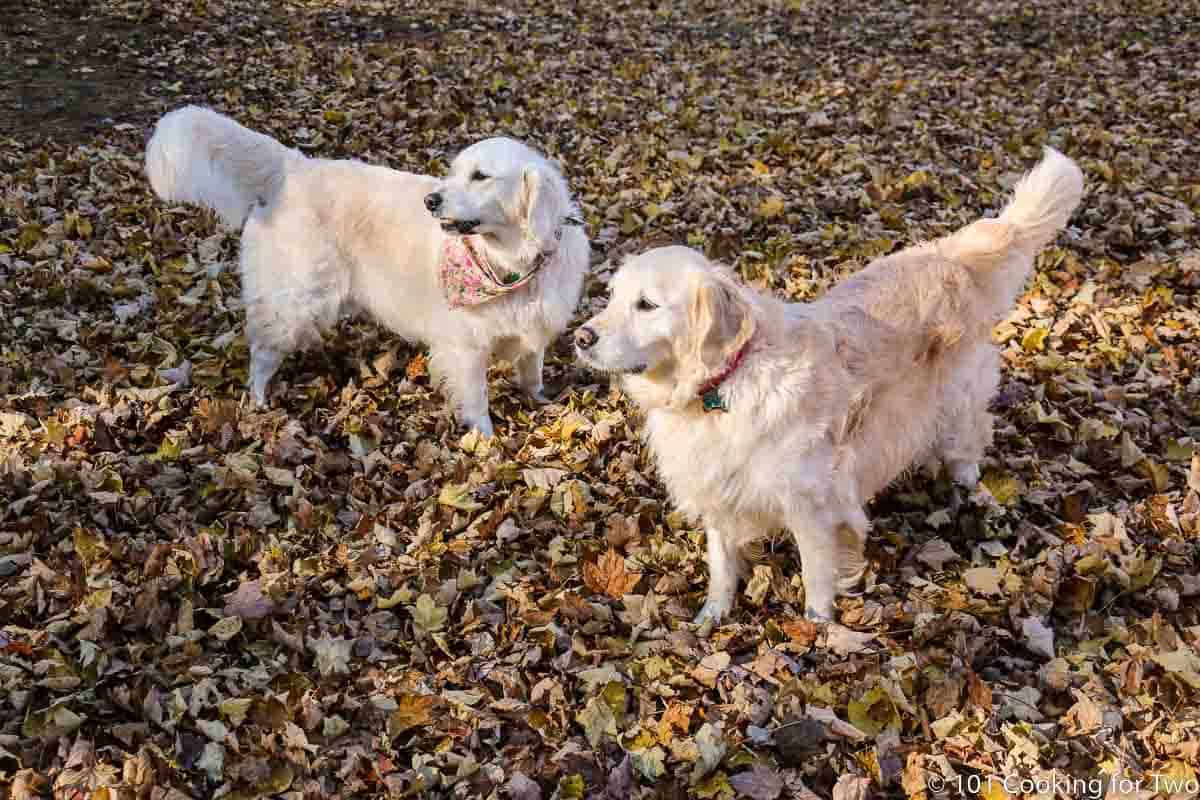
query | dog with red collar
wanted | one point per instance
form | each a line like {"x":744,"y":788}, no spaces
{"x":763,"y":414}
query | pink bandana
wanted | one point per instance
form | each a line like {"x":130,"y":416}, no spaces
{"x":468,"y":279}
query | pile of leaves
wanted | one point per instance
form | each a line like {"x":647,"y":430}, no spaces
{"x":345,"y":596}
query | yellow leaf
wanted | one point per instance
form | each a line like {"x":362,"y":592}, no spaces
{"x":993,"y":789}
{"x":1034,"y":340}
{"x":458,"y":495}
{"x":1158,"y":474}
{"x":874,"y":712}
{"x":759,"y":168}
{"x":771,"y":207}
{"x":1002,"y":487}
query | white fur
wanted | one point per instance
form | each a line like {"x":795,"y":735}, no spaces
{"x":322,"y":238}
{"x":835,"y":398}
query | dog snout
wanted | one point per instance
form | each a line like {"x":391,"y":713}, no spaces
{"x":433,"y":201}
{"x":585,"y":337}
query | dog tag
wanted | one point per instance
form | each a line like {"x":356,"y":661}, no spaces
{"x":713,"y":402}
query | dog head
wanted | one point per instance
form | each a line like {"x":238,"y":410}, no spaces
{"x":499,"y":187}
{"x":672,"y":315}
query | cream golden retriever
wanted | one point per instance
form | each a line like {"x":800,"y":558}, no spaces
{"x":763,"y":414}
{"x":488,"y":261}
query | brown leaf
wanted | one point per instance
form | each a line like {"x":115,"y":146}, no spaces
{"x":1083,"y":717}
{"x":418,"y":367}
{"x":851,"y":787}
{"x":248,"y":602}
{"x":759,"y":783}
{"x":677,"y":717}
{"x":979,"y":694}
{"x":413,"y":711}
{"x":609,"y":576}
{"x":942,"y":695}
{"x":984,"y":580}
{"x":801,"y":631}
{"x":913,"y":780}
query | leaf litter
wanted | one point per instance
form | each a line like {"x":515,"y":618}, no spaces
{"x":345,"y":596}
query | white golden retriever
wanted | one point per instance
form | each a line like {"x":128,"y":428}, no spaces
{"x":763,"y":414}
{"x":489,"y":261}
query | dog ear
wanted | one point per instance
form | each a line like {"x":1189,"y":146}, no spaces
{"x":542,"y":201}
{"x":720,"y":322}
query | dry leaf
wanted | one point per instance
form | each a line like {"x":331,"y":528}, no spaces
{"x":609,"y":576}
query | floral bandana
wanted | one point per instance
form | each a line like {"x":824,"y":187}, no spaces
{"x":468,"y":278}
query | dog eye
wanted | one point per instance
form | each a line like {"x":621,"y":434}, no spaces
{"x":645,"y":305}
{"x":478,"y":176}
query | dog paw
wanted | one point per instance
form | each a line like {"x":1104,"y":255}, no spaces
{"x":538,"y":397}
{"x":818,"y":615}
{"x":483,"y":427}
{"x":965,"y":475}
{"x":714,"y":610}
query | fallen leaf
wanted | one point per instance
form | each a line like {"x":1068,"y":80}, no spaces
{"x":427,"y":615}
{"x":984,"y":580}
{"x":711,"y":746}
{"x":332,"y":654}
{"x":936,"y":553}
{"x":851,"y":787}
{"x":609,"y":576}
{"x":759,"y":783}
{"x":843,"y":641}
{"x":248,"y":602}
{"x":412,"y":711}
{"x":1038,"y":637}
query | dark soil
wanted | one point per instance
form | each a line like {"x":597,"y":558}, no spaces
{"x":68,"y":70}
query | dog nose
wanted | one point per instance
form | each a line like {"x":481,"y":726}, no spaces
{"x":585,"y":337}
{"x":433,"y":201}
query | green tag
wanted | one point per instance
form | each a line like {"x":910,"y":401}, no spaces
{"x":511,"y":277}
{"x":713,"y":402}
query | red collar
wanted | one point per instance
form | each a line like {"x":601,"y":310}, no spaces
{"x":715,"y":382}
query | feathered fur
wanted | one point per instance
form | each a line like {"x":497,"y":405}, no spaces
{"x":321,"y":238}
{"x":833,"y":399}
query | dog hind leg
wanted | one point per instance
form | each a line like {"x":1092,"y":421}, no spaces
{"x":528,"y":368}
{"x":966,"y":430}
{"x":831,"y":557}
{"x":290,"y":296}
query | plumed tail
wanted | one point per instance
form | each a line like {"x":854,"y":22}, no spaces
{"x":200,"y":157}
{"x":1042,"y":203}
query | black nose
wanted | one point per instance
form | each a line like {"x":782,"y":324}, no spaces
{"x":433,"y":201}
{"x":585,"y":337}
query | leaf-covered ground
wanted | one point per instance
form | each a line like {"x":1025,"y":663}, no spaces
{"x":345,"y":597}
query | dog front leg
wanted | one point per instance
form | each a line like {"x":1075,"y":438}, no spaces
{"x":724,"y":566}
{"x":463,"y":375}
{"x":264,"y":362}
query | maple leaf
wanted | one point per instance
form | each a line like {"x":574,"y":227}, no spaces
{"x":609,"y":576}
{"x":597,"y":720}
{"x":418,"y":367}
{"x":677,"y":717}
{"x":427,"y":615}
{"x":413,"y":710}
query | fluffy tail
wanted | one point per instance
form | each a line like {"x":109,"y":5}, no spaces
{"x":1043,"y":200}
{"x":199,"y":156}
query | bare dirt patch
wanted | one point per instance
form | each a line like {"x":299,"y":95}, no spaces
{"x":68,"y":70}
